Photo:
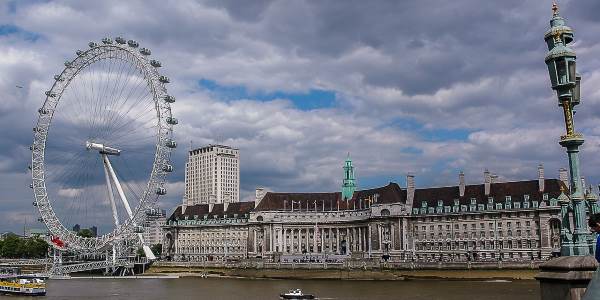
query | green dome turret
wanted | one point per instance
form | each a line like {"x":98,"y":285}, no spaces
{"x":349,"y":182}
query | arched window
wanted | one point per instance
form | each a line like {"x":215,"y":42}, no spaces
{"x":385,"y":212}
{"x":259,"y":218}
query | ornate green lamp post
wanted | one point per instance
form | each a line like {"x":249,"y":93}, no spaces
{"x":565,"y":81}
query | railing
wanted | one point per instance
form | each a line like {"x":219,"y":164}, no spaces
{"x":61,"y":270}
{"x":25,"y":262}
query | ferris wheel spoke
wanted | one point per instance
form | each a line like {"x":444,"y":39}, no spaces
{"x":119,"y":127}
{"x":118,"y":99}
{"x":112,"y":100}
{"x":115,"y":114}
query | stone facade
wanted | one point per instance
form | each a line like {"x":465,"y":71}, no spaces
{"x":510,"y":221}
{"x":212,"y":175}
{"x":153,"y":226}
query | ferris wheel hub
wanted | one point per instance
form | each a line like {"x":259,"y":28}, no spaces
{"x":102,"y":148}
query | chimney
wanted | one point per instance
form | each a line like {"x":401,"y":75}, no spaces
{"x":487,"y":181}
{"x":210,"y":207}
{"x":461,"y":184}
{"x":410,"y":189}
{"x":260,"y":194}
{"x":541,"y":177}
{"x":225,"y":206}
{"x":183,"y":207}
{"x":564,"y":177}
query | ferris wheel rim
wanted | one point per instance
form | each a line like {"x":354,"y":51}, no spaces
{"x":164,"y":141}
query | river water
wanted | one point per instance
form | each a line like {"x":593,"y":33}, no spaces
{"x":254,"y":289}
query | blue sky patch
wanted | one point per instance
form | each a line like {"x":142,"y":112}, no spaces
{"x":313,"y":99}
{"x":430,"y":134}
{"x":10,"y":29}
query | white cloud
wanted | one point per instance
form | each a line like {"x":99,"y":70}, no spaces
{"x":398,"y":88}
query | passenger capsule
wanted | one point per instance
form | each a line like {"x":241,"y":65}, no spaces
{"x":78,"y":52}
{"x":34,"y":203}
{"x":120,"y":40}
{"x":35,"y":129}
{"x":161,"y":191}
{"x":168,"y":168}
{"x":50,"y":94}
{"x":172,"y":121}
{"x":40,"y":220}
{"x":107,"y":41}
{"x":67,"y":63}
{"x":132,"y":44}
{"x":29,"y":167}
{"x":57,"y":78}
{"x":169,"y":99}
{"x":31,"y":185}
{"x":42,"y":111}
{"x":171,"y":144}
{"x":93,"y":44}
{"x":155,"y":63}
{"x":163,"y":79}
{"x":145,"y":51}
{"x":31,"y":148}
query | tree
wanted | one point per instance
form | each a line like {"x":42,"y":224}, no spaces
{"x":86,"y":233}
{"x":11,"y":246}
{"x":15,"y":247}
{"x":156,"y":249}
{"x":140,"y":252}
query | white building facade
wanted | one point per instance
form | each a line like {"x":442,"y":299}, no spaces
{"x":212,"y":175}
{"x":155,"y":220}
{"x":490,"y":222}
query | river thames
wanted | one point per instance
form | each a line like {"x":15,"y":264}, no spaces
{"x":254,"y":289}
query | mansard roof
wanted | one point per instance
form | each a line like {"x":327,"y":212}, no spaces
{"x":391,"y":193}
{"x":283,"y":201}
{"x":201,"y":210}
{"x":517,"y":190}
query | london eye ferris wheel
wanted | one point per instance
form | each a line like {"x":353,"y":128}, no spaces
{"x":102,"y":145}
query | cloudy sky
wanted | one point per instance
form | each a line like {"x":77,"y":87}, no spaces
{"x":428,"y":87}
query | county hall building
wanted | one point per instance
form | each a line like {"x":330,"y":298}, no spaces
{"x":492,"y":221}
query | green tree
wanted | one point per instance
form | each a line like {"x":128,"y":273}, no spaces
{"x":86,"y":233}
{"x":140,"y":252}
{"x":11,"y":246}
{"x":156,"y":249}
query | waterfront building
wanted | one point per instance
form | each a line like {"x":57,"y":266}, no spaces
{"x":155,"y":220}
{"x":493,"y":221}
{"x":212,"y":175}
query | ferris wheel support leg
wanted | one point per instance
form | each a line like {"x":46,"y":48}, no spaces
{"x":113,"y":175}
{"x":111,"y":196}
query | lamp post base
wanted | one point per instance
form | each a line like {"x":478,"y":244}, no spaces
{"x":566,"y":278}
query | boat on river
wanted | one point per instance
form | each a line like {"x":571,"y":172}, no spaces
{"x":296,"y":294}
{"x":15,"y":283}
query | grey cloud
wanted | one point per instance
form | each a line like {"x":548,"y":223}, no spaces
{"x":462,"y":65}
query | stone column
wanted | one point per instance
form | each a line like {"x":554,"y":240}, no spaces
{"x":369,"y":239}
{"x":360,"y":240}
{"x":337,"y":229}
{"x":330,"y":239}
{"x":315,"y":242}
{"x":254,"y":245}
{"x":323,"y":240}
{"x":307,"y":231}
{"x":566,"y":278}
{"x":284,"y":240}
{"x":272,"y":238}
{"x":380,"y":234}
